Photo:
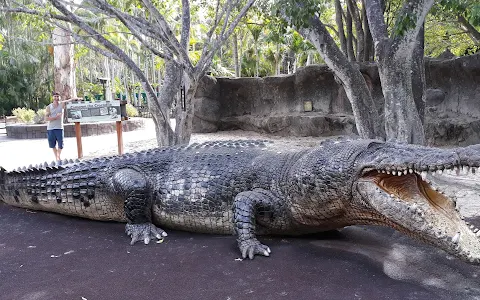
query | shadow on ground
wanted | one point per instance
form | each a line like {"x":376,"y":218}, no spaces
{"x":48,"y":256}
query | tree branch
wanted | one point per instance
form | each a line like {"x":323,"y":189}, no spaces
{"x":133,"y":27}
{"x":110,"y":46}
{"x":472,"y":31}
{"x":206,"y":59}
{"x":34,"y":12}
{"x":182,"y":54}
{"x":185,"y":37}
{"x":376,"y":21}
{"x":81,"y":40}
{"x":418,"y":9}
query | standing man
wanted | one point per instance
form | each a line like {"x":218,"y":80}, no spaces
{"x":54,"y":116}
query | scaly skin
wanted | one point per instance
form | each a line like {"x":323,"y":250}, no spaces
{"x":251,"y":188}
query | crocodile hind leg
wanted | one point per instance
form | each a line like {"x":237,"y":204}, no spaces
{"x":247,"y":207}
{"x":132,"y":186}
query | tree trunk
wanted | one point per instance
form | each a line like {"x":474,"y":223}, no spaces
{"x":339,"y":21}
{"x":402,"y":121}
{"x":257,"y":61}
{"x":353,"y":9}
{"x":396,"y":65}
{"x":64,"y":71}
{"x":350,"y":50}
{"x":418,"y":75}
{"x":472,"y":31}
{"x":309,"y":58}
{"x":368,"y":54}
{"x":235,"y":55}
{"x":185,"y":112}
{"x":366,"y":116}
{"x":240,"y":56}
{"x":168,"y":91}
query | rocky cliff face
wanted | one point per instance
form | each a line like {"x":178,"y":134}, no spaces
{"x":312,"y":103}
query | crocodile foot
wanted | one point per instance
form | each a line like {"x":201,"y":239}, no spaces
{"x":145,"y":232}
{"x":251,"y":247}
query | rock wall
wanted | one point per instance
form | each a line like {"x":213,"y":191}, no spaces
{"x":277,"y":104}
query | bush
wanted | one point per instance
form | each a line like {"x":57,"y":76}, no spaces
{"x":39,"y":116}
{"x":131,"y":111}
{"x":24,"y":114}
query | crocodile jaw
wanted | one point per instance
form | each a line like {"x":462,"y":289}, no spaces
{"x":409,"y":204}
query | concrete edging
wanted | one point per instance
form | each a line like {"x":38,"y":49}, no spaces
{"x":39,"y":131}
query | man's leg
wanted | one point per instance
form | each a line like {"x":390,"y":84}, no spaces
{"x":55,"y":152}
{"x":51,"y":142}
{"x":59,"y":136}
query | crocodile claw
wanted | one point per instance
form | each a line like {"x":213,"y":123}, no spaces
{"x":145,"y":232}
{"x":253,"y":247}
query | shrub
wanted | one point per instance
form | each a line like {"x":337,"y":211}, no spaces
{"x":131,"y":110}
{"x":24,"y":114}
{"x":39,"y":116}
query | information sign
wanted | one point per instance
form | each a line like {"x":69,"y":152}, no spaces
{"x":83,"y":111}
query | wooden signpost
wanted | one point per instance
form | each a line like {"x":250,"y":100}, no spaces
{"x":99,"y":111}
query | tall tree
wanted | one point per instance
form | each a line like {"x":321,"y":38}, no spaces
{"x":156,"y":35}
{"x":64,"y":69}
{"x":304,"y":16}
{"x":396,"y":62}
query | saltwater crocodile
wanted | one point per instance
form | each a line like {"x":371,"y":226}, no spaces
{"x":250,"y":188}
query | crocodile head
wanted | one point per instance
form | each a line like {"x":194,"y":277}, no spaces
{"x":393,"y":187}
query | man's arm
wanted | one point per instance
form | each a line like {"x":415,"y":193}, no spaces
{"x":69,"y":100}
{"x":47,"y":115}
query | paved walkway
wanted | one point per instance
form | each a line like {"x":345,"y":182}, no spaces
{"x":16,"y":153}
{"x":48,"y":256}
{"x":51,"y":257}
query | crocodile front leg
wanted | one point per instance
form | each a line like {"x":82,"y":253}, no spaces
{"x":247,"y":206}
{"x":132,"y":185}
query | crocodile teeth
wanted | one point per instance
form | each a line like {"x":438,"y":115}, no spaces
{"x":399,"y":173}
{"x":456,"y":238}
{"x":410,"y":171}
{"x":472,"y":227}
{"x":424,"y":175}
{"x":388,"y":172}
{"x":394,"y":172}
{"x":475,"y":230}
{"x":439,"y":172}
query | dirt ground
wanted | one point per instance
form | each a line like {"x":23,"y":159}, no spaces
{"x":50,"y":256}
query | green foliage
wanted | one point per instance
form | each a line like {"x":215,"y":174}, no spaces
{"x":299,"y":11}
{"x":22,"y":81}
{"x":466,"y":8}
{"x":403,"y":23}
{"x":131,"y":110}
{"x":443,"y":30}
{"x":25,"y":115}
{"x":39,"y":117}
{"x":89,"y":89}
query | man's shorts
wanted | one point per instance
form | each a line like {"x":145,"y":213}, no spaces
{"x":55,"y":136}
